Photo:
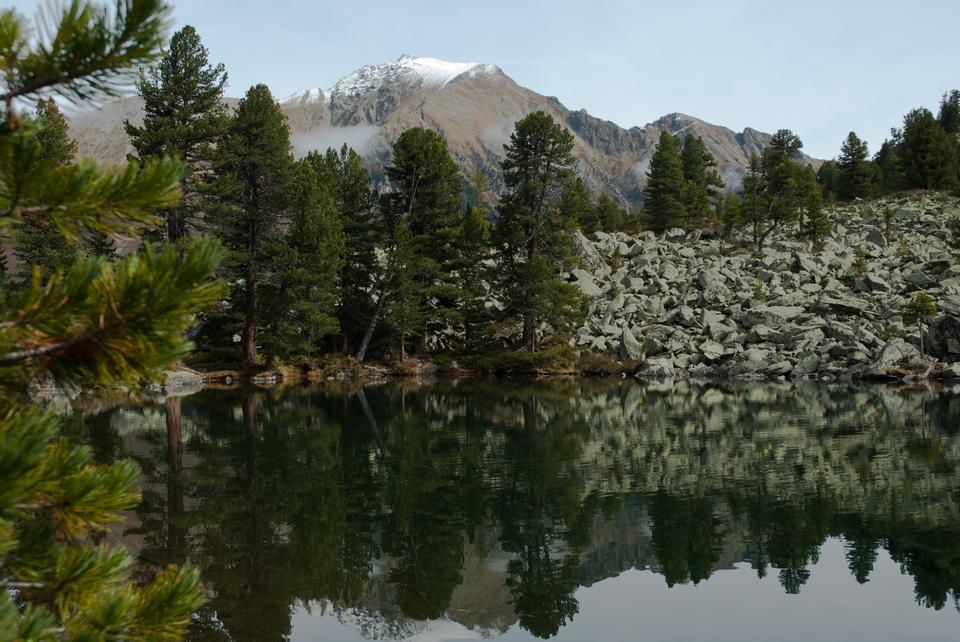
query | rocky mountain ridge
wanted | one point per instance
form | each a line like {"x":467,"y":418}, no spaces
{"x":474,"y":106}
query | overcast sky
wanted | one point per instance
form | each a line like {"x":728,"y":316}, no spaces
{"x":819,"y":68}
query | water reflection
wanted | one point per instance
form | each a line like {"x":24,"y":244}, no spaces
{"x":490,"y":504}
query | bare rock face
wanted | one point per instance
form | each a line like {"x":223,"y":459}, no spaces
{"x":473,"y":105}
{"x":943,"y":338}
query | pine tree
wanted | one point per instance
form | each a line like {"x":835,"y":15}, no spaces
{"x":301,"y":288}
{"x":576,"y":204}
{"x":890,"y":168}
{"x":701,"y":180}
{"x":827,"y":179}
{"x":95,"y":323}
{"x":928,"y":154}
{"x":854,"y":174}
{"x":610,"y":215}
{"x":777,"y":189}
{"x":405,"y":311}
{"x":949,"y":116}
{"x":184,"y":116}
{"x":732,"y":212}
{"x":37,"y":244}
{"x":426,"y":198}
{"x":664,"y":193}
{"x":815,"y":223}
{"x":475,"y":244}
{"x":249,"y":193}
{"x":344,"y":175}
{"x":533,"y":233}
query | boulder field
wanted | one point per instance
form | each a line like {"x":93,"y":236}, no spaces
{"x":695,"y":304}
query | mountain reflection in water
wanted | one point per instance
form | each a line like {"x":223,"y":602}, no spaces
{"x":483,"y":506}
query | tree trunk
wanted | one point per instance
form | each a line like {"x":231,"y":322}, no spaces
{"x":250,"y":299}
{"x":529,"y":315}
{"x":403,"y":349}
{"x":174,"y":434}
{"x":362,"y":352}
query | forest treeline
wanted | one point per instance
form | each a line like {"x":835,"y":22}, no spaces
{"x":319,"y":262}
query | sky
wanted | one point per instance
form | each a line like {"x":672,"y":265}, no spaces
{"x":818,"y":68}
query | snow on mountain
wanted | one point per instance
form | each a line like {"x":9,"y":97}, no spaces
{"x":429,"y":71}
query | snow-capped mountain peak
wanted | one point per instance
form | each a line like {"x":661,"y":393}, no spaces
{"x":418,"y":70}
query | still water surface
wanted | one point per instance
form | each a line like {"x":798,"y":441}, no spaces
{"x":586,"y":510}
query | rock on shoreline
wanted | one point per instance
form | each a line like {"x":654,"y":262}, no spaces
{"x":693,"y":304}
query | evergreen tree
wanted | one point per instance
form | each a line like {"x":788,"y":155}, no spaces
{"x":533,"y":231}
{"x":426,"y":198}
{"x":664,"y":193}
{"x":815,"y":223}
{"x":405,"y":310}
{"x":475,"y":244}
{"x":249,"y":193}
{"x":828,"y":180}
{"x":345,"y":176}
{"x":610,"y":215}
{"x":732,"y":212}
{"x":927,"y":152}
{"x":184,"y":116}
{"x":949,"y":116}
{"x":701,"y":180}
{"x":576,"y":204}
{"x":778,"y":190}
{"x":302,"y":288}
{"x":890,"y":168}
{"x":38,"y":244}
{"x":854,"y":174}
{"x":95,"y":323}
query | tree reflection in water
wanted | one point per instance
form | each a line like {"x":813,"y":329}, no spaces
{"x":502,"y":499}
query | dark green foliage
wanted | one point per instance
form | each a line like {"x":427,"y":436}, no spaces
{"x":91,"y":323}
{"x":928,"y":154}
{"x":251,"y":189}
{"x":301,"y":287}
{"x":920,"y":310}
{"x":828,"y":179}
{"x":405,"y":310}
{"x":37,"y":244}
{"x":854,"y":173}
{"x":426,"y":199}
{"x":731,"y":214}
{"x":663,"y":202}
{"x":534,"y":233}
{"x":815,"y":224}
{"x":701,"y":181}
{"x":779,"y":191}
{"x":184,"y":116}
{"x":344,"y":176}
{"x":475,"y":241}
{"x":890,"y":168}
{"x":609,"y":214}
{"x":949,"y":116}
{"x":576,"y":204}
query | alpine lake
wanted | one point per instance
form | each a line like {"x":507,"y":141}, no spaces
{"x":595,"y":510}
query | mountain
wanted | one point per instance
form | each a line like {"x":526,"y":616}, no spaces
{"x":473,"y":105}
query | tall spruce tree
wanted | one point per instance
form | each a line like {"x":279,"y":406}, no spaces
{"x":890,"y":168}
{"x":426,"y":198}
{"x":701,"y":181}
{"x":533,"y":232}
{"x":37,"y":243}
{"x":344,"y":175}
{"x":405,"y":309}
{"x":610,"y":215}
{"x":576,"y":203}
{"x":854,"y":174}
{"x":949,"y":115}
{"x":777,"y":188}
{"x":94,"y":324}
{"x":301,"y":288}
{"x":664,"y":193}
{"x":928,"y":154}
{"x":250,"y":192}
{"x":184,"y":116}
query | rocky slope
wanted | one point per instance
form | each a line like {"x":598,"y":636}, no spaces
{"x":695,"y":304}
{"x":473,"y":105}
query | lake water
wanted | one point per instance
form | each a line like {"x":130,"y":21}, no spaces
{"x":573,"y":510}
